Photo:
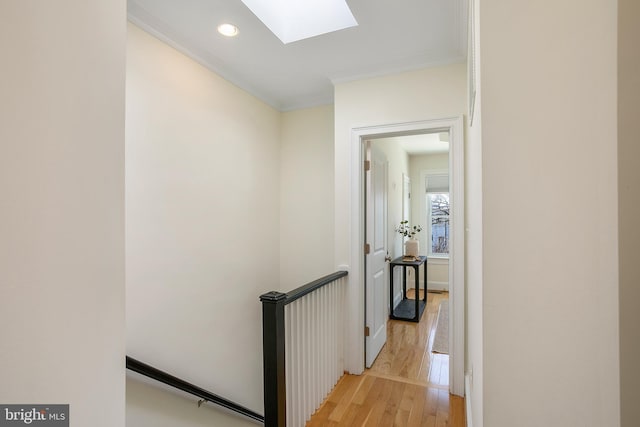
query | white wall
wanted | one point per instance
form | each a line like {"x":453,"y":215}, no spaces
{"x":62,"y":207}
{"x":550,"y":260}
{"x":153,"y":404}
{"x":438,"y":269}
{"x":202,"y":213}
{"x":629,"y":207}
{"x":473,"y":274}
{"x":406,"y":97}
{"x":306,"y":196}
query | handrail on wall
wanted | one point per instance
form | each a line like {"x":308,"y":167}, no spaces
{"x":163,"y":377}
{"x":273,"y":346}
{"x":273,"y":351}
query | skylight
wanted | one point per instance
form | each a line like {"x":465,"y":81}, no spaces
{"x":293,"y":20}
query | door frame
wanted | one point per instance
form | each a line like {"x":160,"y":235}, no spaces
{"x":454,"y":125}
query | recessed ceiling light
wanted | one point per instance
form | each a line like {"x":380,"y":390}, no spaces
{"x":228,"y":30}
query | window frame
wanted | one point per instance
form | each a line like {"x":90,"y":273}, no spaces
{"x":425,"y":211}
{"x":430,"y":216}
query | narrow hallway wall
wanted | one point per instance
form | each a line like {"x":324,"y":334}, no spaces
{"x":550,"y":213}
{"x":306,"y":196}
{"x":62,"y":207}
{"x":202,"y":221}
{"x":629,"y":207}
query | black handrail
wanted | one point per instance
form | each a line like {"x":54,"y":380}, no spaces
{"x":273,"y":346}
{"x":163,"y":377}
{"x":312,"y":286}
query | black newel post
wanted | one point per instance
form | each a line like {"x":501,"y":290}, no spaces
{"x":273,"y":359}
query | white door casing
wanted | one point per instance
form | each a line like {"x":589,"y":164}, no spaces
{"x":406,"y":197}
{"x":354,"y":345}
{"x":376,"y":282}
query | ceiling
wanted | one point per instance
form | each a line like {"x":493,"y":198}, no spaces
{"x":392,"y":36}
{"x":426,"y":143}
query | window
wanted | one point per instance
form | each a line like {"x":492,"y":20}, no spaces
{"x":438,"y":211}
{"x":438,"y":215}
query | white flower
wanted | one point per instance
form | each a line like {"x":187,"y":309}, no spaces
{"x":407,"y":230}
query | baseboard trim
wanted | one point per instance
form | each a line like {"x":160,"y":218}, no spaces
{"x":442,"y":286}
{"x":467,"y":399}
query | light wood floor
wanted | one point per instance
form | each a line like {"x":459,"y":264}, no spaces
{"x":406,"y":386}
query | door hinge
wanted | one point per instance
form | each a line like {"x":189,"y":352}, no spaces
{"x":367,"y":165}
{"x":367,"y":249}
{"x":366,"y":331}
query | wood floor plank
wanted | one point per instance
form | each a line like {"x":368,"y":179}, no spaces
{"x":321,"y":417}
{"x":417,"y":408}
{"x":344,"y":385}
{"x":380,"y":401}
{"x":442,"y":411}
{"x":365,"y":387}
{"x":352,"y":384}
{"x":457,"y":416}
{"x":357,"y":415}
{"x":393,"y":404}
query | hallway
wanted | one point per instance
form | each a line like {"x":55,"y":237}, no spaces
{"x":406,"y":386}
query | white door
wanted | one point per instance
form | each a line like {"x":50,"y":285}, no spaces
{"x":376,"y":281}
{"x":406,"y":197}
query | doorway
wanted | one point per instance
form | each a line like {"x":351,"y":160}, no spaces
{"x":453,"y":127}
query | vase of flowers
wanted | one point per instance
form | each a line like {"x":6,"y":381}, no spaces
{"x":412,"y":245}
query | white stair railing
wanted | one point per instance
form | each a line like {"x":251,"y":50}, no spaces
{"x":303,"y":344}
